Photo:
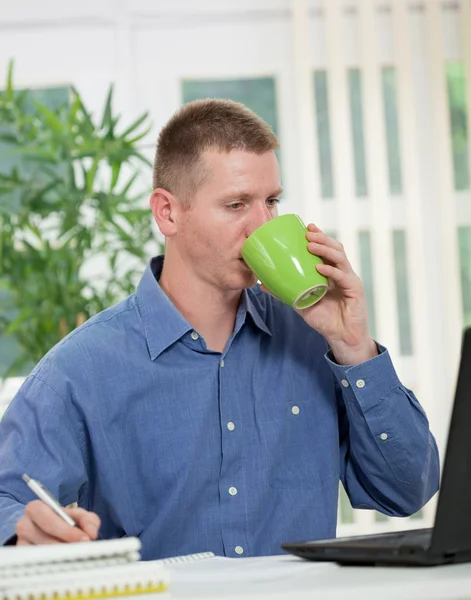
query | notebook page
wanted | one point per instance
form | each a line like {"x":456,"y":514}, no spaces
{"x":248,"y":570}
{"x":184,"y":558}
{"x":21,"y":560}
{"x":94,"y":577}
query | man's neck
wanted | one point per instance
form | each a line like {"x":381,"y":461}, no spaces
{"x":210,"y":310}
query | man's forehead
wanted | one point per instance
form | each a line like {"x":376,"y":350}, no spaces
{"x":236,"y":170}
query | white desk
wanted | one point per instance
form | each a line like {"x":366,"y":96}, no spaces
{"x":291,"y":578}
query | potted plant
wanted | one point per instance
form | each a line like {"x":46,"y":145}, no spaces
{"x":73,"y":226}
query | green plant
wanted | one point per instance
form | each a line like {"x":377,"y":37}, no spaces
{"x":68,"y":207}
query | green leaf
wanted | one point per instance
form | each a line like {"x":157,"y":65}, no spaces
{"x":90,"y":175}
{"x":49,"y":117}
{"x":140,"y":136}
{"x":142,"y":158}
{"x":87,"y":119}
{"x":36,"y":154}
{"x":107,"y":119}
{"x":9,"y":138}
{"x":128,"y":186}
{"x":9,"y":86}
{"x":135,"y":125}
{"x":115,"y":170}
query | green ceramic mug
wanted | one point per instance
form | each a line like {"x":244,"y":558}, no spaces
{"x":277,"y":254}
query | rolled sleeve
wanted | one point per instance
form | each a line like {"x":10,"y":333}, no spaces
{"x":367,"y":382}
{"x":390,"y":457}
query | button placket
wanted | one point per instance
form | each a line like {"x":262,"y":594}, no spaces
{"x":232,"y":497}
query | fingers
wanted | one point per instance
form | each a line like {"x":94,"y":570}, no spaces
{"x":28,"y":533}
{"x":330,"y":250}
{"x":88,"y":522}
{"x":45,"y":519}
{"x":322,"y":237}
{"x":344,"y":280}
{"x":41,"y":525}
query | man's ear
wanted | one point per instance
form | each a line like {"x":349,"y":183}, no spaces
{"x":164,"y":207}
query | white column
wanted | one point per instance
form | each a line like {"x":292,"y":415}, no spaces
{"x":124,"y":69}
{"x":447,"y":284}
{"x":310,"y":203}
{"x":378,"y":192}
{"x":465,"y":29}
{"x":342,"y":148}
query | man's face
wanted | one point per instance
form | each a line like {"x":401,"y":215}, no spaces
{"x":240,"y":193}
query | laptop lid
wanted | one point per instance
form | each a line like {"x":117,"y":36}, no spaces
{"x":452,"y":531}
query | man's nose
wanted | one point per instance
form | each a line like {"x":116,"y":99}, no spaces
{"x":259,"y":216}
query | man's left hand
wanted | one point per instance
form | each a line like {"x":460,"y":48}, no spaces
{"x":341,"y":316}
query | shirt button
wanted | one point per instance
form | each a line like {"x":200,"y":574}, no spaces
{"x":239,"y":550}
{"x":231,"y":426}
{"x":232,"y":491}
{"x":194,"y":335}
{"x":295,"y":410}
{"x":344,"y":383}
{"x":222,"y":363}
{"x":384,"y":436}
{"x":360,"y":383}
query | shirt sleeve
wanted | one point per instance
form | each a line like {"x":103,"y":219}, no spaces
{"x":37,"y":437}
{"x":389,"y":457}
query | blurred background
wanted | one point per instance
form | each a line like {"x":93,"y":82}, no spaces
{"x":371,"y":100}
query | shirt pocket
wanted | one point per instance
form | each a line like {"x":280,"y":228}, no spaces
{"x":300,"y":438}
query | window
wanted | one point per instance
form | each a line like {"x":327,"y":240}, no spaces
{"x":456,"y":88}
{"x":323,"y":134}
{"x":358,"y":135}
{"x":389,"y":82}
{"x":366,"y":274}
{"x":402,"y":292}
{"x":257,"y":93}
{"x":464,"y":240}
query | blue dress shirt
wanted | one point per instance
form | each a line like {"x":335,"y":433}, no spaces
{"x":191,"y":450}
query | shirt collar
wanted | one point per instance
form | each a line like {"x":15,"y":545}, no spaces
{"x":163,"y":322}
{"x":251,"y":302}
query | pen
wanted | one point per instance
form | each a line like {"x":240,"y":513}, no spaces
{"x":45,"y":495}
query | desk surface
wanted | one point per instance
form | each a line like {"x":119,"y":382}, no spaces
{"x":292,"y":578}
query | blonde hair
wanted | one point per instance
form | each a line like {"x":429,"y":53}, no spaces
{"x":201,"y":125}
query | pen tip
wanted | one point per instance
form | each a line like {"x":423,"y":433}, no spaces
{"x":25,"y":477}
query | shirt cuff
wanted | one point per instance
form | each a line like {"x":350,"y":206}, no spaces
{"x":367,"y":382}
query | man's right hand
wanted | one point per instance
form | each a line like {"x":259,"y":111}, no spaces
{"x":41,"y":525}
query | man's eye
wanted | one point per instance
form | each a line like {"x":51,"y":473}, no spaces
{"x":272,"y":201}
{"x":235,"y":205}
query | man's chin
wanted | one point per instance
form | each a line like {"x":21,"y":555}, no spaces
{"x":250,"y":282}
{"x":246,"y":279}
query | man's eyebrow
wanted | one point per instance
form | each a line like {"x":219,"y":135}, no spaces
{"x":277,"y":192}
{"x":246,"y":196}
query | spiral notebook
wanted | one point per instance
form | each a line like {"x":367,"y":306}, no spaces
{"x":84,"y":571}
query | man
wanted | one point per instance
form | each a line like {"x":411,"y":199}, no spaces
{"x":201,"y":413}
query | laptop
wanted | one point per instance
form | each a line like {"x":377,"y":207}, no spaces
{"x":449,"y":541}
